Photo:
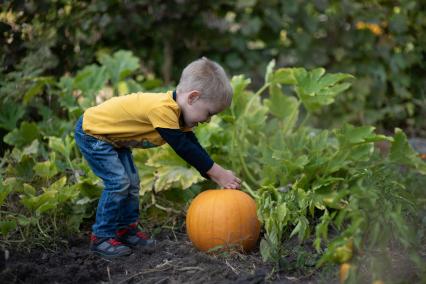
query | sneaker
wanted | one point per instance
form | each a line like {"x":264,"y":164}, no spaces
{"x":108,"y":247}
{"x":133,"y":237}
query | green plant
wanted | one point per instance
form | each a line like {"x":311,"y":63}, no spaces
{"x":322,"y":183}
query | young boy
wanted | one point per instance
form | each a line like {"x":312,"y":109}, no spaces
{"x":105,"y":134}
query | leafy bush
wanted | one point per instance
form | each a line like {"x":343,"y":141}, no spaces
{"x":333,"y":185}
{"x":381,"y":43}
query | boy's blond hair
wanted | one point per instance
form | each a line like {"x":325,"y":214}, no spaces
{"x":209,"y":78}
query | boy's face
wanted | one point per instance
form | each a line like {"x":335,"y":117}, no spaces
{"x":197,"y":110}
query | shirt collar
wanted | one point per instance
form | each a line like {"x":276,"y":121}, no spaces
{"x":181,"y":121}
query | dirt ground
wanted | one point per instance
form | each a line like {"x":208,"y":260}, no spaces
{"x":172,"y":260}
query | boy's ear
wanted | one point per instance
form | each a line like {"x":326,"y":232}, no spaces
{"x":193,"y":96}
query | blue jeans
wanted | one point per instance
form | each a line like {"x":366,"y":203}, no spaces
{"x":119,"y":202}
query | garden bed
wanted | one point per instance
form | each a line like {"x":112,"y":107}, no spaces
{"x":172,"y":260}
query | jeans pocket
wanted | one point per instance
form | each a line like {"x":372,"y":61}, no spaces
{"x":97,"y":144}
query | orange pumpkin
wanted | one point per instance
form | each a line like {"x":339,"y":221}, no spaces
{"x":344,"y":272}
{"x":223,"y":218}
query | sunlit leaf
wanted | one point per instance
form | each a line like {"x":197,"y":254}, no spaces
{"x":120,"y":65}
{"x":46,"y":169}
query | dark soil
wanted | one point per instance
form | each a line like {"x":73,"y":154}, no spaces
{"x":172,"y":260}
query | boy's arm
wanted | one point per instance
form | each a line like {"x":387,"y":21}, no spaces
{"x":186,"y":145}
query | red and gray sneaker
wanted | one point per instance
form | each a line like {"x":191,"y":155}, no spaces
{"x":108,"y":247}
{"x":133,"y":237}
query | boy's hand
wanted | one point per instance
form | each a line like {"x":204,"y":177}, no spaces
{"x":224,"y":178}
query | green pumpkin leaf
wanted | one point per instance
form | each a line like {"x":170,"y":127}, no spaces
{"x":32,"y":149}
{"x":28,"y":189}
{"x":23,"y":136}
{"x":89,"y":81}
{"x":45,"y":201}
{"x":58,"y":185}
{"x":351,"y":135}
{"x":10,"y":113}
{"x":46,"y":169}
{"x":120,"y":65}
{"x":24,"y":169}
{"x":284,"y":107}
{"x":5,"y":189}
{"x":266,"y":250}
{"x":401,"y":152}
{"x":241,"y":96}
{"x":284,"y":76}
{"x":316,"y":90}
{"x":171,"y":171}
{"x":62,"y":146}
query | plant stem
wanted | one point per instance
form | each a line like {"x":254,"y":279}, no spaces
{"x":264,"y":87}
{"x":305,"y":120}
{"x":167,"y":209}
{"x":70,"y":164}
{"x":246,"y":170}
{"x":250,"y":190}
{"x":240,"y":155}
{"x":258,"y":93}
{"x":41,"y":230}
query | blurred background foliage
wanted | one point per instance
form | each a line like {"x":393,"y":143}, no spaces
{"x":59,"y":57}
{"x":383,"y":43}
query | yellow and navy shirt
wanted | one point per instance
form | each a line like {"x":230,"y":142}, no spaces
{"x":145,"y":120}
{"x":130,"y":120}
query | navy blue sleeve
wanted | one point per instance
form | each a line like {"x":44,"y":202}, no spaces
{"x":186,"y":145}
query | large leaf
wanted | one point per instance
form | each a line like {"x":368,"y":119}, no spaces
{"x":241,"y":95}
{"x":402,"y":152}
{"x":46,"y":200}
{"x":23,"y":136}
{"x":120,"y":65}
{"x":172,"y":171}
{"x":5,"y":189}
{"x":46,"y":169}
{"x":89,"y":81}
{"x":62,"y":146}
{"x":316,"y":90}
{"x":10,"y":113}
{"x":284,"y":76}
{"x":350,"y":135}
{"x":284,"y":107}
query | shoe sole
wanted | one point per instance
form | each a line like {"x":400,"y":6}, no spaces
{"x":108,"y":256}
{"x":154,"y":243}
{"x":141,"y":246}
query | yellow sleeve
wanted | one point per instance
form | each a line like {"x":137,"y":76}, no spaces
{"x":164,"y":117}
